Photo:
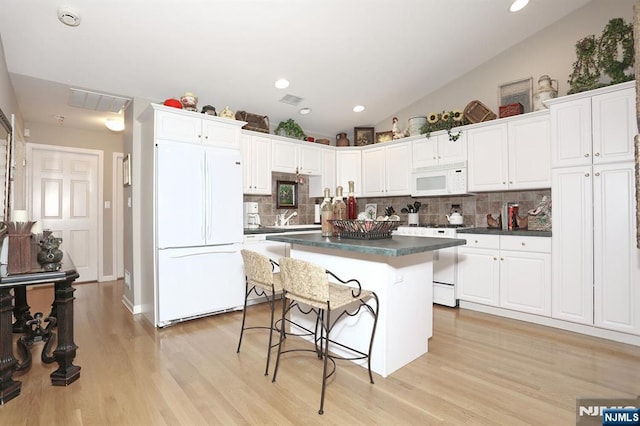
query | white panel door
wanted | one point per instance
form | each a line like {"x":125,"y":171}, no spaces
{"x":65,"y":196}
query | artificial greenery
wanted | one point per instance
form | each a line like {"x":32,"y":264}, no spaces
{"x":444,"y":121}
{"x":290,"y":129}
{"x":597,"y":56}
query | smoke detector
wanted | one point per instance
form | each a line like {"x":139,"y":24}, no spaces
{"x":68,"y":16}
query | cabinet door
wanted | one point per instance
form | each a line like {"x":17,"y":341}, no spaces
{"x":572,"y":245}
{"x":529,"y":153}
{"x":260,"y":165}
{"x":488,"y":160}
{"x":398,"y":169}
{"x":327,"y":179}
{"x":616,"y":260}
{"x":478,"y":276}
{"x":180,"y":179}
{"x":309,"y":160}
{"x":373,"y":172}
{"x":525,"y":282}
{"x":348,"y":167}
{"x":284,"y":156}
{"x":220,"y":134}
{"x":178,"y":127}
{"x":425,"y":152}
{"x":614,"y":126}
{"x":571,"y":133}
{"x":452,"y":151}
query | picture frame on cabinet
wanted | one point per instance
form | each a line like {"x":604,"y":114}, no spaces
{"x":286,"y":194}
{"x":126,"y":170}
{"x":519,"y":91}
{"x":371,"y":210}
{"x":363,"y":135}
{"x":384,"y":136}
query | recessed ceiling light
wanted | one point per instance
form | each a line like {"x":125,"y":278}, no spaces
{"x":518,"y":5}
{"x":358,"y":108}
{"x":68,"y":16}
{"x":304,"y":111}
{"x":282,"y":83}
{"x":114,"y":124}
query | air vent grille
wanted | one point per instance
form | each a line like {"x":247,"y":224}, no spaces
{"x":97,"y":101}
{"x":291,"y":100}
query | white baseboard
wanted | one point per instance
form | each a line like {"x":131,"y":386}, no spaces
{"x":134,"y":309}
{"x":552,"y":322}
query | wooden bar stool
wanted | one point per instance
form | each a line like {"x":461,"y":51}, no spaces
{"x":308,"y":284}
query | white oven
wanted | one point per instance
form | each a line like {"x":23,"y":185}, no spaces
{"x":444,"y":260}
{"x":445,"y":179}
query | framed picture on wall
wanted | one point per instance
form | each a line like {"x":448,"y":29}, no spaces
{"x":519,"y":91}
{"x":287,"y":194}
{"x":364,"y":135}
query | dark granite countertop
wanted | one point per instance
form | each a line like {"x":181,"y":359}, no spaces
{"x":394,"y":246}
{"x":496,"y":231}
{"x":272,"y":230}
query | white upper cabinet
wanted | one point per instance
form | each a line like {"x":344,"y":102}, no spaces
{"x":386,"y":170}
{"x":293,"y":157}
{"x":348,"y":167}
{"x":327,"y":179}
{"x":186,"y":126}
{"x":256,"y":164}
{"x":594,"y":127}
{"x":510,"y":155}
{"x":438,"y":149}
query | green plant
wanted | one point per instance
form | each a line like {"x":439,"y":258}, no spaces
{"x":290,"y":129}
{"x":444,"y":121}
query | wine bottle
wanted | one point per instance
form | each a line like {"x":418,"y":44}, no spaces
{"x":326,"y":214}
{"x":339,"y":208}
{"x":352,"y":204}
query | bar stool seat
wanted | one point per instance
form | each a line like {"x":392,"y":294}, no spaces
{"x":308,"y":284}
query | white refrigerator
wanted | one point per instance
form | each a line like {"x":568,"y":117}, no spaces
{"x":199,"y":231}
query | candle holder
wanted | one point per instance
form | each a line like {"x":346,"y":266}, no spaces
{"x":19,"y":254}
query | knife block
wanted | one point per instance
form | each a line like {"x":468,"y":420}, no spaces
{"x":19,"y":254}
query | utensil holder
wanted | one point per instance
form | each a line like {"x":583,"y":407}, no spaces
{"x":413,"y":219}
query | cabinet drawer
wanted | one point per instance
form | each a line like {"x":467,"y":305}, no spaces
{"x":531,"y":244}
{"x":481,"y":240}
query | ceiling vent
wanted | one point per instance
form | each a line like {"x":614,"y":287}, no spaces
{"x":97,"y":101}
{"x":291,"y":100}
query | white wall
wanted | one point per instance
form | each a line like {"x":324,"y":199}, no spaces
{"x":551,"y":52}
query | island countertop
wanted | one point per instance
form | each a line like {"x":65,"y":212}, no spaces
{"x":394,"y":246}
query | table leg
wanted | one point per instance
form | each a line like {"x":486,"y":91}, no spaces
{"x":9,"y":388}
{"x":21,"y":309}
{"x":65,"y":352}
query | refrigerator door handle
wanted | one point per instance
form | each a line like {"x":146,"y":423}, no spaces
{"x":179,"y":256}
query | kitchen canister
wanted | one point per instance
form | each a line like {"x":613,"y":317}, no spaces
{"x":545,"y":92}
{"x":416,"y":124}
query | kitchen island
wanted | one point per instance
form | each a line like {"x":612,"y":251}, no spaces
{"x":399,"y":270}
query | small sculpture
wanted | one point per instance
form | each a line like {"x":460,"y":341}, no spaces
{"x":50,"y":255}
{"x":494,"y":223}
{"x":227,"y":113}
{"x":189,"y":101}
{"x":395,"y":129}
{"x":209,"y":110}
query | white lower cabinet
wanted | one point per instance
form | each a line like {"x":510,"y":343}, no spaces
{"x":511,"y":272}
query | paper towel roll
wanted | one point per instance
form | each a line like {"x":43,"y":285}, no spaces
{"x":316,"y":214}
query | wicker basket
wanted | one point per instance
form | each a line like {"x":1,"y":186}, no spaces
{"x":539,"y":223}
{"x":365,"y":229}
{"x":476,"y":112}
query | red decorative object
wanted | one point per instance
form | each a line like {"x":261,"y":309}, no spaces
{"x":511,"y":109}
{"x":173,"y":103}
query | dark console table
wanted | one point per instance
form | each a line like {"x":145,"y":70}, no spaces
{"x":62,"y":311}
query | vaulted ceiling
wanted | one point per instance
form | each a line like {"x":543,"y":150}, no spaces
{"x":382,"y":54}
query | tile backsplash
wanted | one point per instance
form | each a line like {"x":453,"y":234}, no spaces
{"x":474,"y":207}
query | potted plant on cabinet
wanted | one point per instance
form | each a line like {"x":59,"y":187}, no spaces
{"x":289,"y":128}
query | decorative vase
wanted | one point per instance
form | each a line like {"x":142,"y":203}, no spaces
{"x":50,"y":255}
{"x":342,"y":140}
{"x":545,"y":92}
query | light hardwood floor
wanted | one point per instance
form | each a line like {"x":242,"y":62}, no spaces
{"x":480,"y":370}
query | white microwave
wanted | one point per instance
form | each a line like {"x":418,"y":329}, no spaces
{"x":445,"y":179}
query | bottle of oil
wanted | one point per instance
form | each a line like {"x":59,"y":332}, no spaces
{"x":339,"y":208}
{"x":352,"y":204}
{"x":326,"y":214}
